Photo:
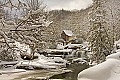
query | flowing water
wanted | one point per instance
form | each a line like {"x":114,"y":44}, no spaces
{"x":76,"y":68}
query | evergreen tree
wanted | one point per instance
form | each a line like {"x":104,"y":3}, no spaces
{"x":100,"y":43}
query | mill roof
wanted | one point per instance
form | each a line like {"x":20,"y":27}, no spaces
{"x":68,"y":32}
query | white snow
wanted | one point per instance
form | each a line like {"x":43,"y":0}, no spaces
{"x":23,"y":47}
{"x":118,"y":50}
{"x":44,"y":62}
{"x":108,"y":70}
{"x":68,"y":32}
{"x":79,"y":60}
{"x":117,"y":42}
{"x":56,"y":50}
{"x":60,"y":46}
{"x":73,"y":45}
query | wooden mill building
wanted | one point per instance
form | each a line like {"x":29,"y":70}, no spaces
{"x":67,"y":36}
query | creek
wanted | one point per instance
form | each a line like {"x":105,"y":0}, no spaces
{"x":76,"y":68}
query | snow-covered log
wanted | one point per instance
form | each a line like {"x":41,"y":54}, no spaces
{"x":73,"y":46}
{"x":108,"y":70}
{"x":58,"y":51}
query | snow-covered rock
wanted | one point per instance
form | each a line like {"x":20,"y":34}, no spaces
{"x":43,"y":62}
{"x":108,"y":70}
{"x":60,"y":46}
{"x":59,"y":60}
{"x":79,"y":60}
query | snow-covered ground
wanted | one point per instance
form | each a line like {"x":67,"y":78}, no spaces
{"x":108,"y":70}
{"x":44,"y":62}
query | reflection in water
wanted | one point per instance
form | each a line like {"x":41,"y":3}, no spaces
{"x":76,"y":68}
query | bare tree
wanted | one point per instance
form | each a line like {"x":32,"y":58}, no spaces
{"x":28,"y":30}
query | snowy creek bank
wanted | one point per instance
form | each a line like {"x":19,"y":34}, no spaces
{"x":49,"y":68}
{"x":108,"y":70}
{"x":50,"y":74}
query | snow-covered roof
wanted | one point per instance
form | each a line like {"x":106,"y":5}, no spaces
{"x":68,"y":32}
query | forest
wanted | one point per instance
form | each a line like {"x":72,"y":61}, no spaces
{"x":34,"y":41}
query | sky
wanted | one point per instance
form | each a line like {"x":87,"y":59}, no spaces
{"x":67,"y":4}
